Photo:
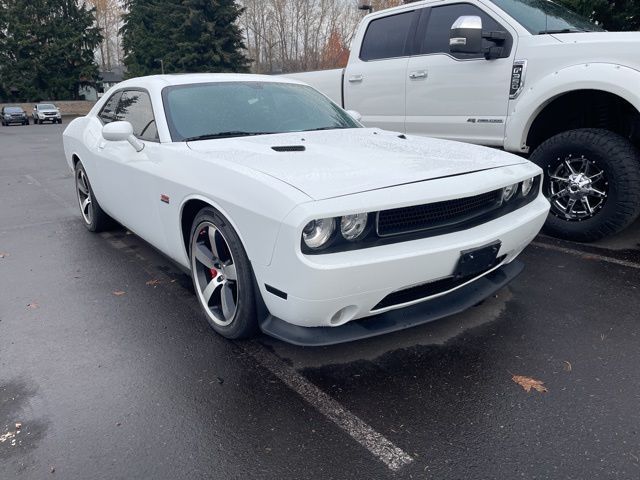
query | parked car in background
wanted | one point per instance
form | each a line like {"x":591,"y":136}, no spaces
{"x":293,"y":218}
{"x":46,"y":112}
{"x":12,"y":115}
{"x":530,"y":77}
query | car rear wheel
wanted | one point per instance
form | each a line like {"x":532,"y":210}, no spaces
{"x":222,"y":276}
{"x":592,"y":180}
{"x":93,"y":217}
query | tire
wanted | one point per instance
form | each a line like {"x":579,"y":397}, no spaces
{"x":60,"y":121}
{"x":93,"y":217}
{"x":35,"y":121}
{"x":597,"y":164}
{"x":223,"y":271}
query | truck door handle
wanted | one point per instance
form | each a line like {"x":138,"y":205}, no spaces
{"x":356,"y":78}
{"x":418,"y":74}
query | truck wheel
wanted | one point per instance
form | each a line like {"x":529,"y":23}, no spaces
{"x":592,"y":180}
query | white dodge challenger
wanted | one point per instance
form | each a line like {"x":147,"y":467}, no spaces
{"x":290,"y":216}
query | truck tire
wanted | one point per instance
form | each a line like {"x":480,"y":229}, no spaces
{"x":592,"y":180}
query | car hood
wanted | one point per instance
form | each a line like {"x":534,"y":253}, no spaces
{"x":343,"y":162}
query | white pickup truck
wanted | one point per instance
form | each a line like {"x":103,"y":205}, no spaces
{"x":528,"y":76}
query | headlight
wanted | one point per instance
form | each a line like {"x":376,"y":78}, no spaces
{"x":353,"y":226}
{"x":526,"y":186}
{"x":509,"y":192}
{"x":317,"y":233}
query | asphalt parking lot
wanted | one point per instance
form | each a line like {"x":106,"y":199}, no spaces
{"x":110,"y":371}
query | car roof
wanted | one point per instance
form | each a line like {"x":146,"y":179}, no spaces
{"x":161,"y":81}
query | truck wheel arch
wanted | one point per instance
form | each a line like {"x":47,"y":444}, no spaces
{"x":601,"y":84}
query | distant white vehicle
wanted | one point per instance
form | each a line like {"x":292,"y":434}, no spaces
{"x":528,"y":76}
{"x":293,"y":218}
{"x":46,"y":112}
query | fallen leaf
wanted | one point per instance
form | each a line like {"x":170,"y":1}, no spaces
{"x":528,"y":383}
{"x":18,"y":426}
{"x":53,"y":469}
{"x":3,"y":255}
{"x":154,"y":282}
{"x":32,"y":306}
{"x":567,"y":366}
{"x":119,"y":293}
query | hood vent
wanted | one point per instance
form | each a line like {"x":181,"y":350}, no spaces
{"x":290,"y":148}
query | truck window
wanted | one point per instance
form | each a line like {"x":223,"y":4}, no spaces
{"x":387,"y":37}
{"x":436,"y":36}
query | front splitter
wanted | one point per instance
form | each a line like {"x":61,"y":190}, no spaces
{"x":428,"y":311}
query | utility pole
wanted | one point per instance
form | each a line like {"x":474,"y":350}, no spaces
{"x":161,"y":64}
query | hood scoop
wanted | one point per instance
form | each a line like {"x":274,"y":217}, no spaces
{"x":289,"y":148}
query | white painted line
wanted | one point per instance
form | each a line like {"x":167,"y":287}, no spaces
{"x":392,"y":456}
{"x":383,"y":449}
{"x":586,"y":255}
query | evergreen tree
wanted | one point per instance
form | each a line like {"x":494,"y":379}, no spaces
{"x":46,"y":48}
{"x":187,"y":35}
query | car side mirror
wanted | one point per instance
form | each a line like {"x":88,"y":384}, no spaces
{"x":355,"y":115}
{"x":121,"y":132}
{"x":466,"y":35}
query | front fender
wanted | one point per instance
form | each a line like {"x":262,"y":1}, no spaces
{"x":607,"y":77}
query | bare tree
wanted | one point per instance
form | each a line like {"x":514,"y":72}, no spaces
{"x":293,"y":35}
{"x":108,"y":15}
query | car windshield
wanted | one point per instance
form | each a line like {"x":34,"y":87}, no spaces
{"x":13,"y":110}
{"x":46,"y":106}
{"x":233,"y":109}
{"x":545,"y":16}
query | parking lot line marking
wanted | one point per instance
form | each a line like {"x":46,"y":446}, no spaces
{"x":382,"y":448}
{"x":377,"y":444}
{"x":586,"y":255}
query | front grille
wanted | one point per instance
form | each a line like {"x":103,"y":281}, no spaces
{"x":429,"y":289}
{"x":436,"y":215}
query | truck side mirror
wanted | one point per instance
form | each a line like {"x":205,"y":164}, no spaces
{"x":466,"y":35}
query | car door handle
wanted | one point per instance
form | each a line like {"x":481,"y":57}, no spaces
{"x":356,"y":78}
{"x":418,"y":74}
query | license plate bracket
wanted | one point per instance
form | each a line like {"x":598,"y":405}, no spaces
{"x":477,"y":260}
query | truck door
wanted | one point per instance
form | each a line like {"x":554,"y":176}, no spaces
{"x":457,"y":96}
{"x":374,"y":81}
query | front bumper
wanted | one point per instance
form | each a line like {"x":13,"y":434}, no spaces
{"x":446,"y":305}
{"x":335,"y":289}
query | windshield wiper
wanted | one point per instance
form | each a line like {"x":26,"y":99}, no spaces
{"x":230,"y":134}
{"x":323,"y":128}
{"x":564,"y":30}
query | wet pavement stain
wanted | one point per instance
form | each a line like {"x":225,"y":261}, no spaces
{"x":21,"y":433}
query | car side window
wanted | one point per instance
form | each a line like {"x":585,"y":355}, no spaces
{"x":387,"y":37}
{"x":108,"y":112}
{"x":135,"y":108}
{"x":441,"y":19}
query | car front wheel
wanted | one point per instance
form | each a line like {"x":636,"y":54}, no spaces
{"x":222,"y":276}
{"x":592,"y":180}
{"x":93,"y":217}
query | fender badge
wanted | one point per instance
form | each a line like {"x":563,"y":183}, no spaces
{"x":164,"y":198}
